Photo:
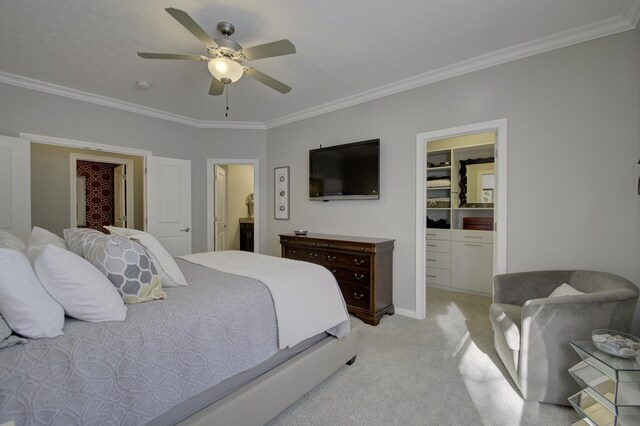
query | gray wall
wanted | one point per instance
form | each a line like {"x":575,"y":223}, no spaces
{"x":572,"y":151}
{"x":24,"y":110}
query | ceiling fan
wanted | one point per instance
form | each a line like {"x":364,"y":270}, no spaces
{"x":225,"y":57}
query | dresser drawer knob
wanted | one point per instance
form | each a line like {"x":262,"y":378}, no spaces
{"x":358,"y":276}
{"x":359,"y":261}
{"x":313,"y":255}
{"x":333,"y":271}
{"x":292,"y":251}
{"x":358,"y":296}
{"x":331,"y":258}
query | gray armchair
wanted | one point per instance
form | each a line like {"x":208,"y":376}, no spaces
{"x":532,"y":331}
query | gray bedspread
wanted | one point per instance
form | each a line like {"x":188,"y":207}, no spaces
{"x":127,"y":373}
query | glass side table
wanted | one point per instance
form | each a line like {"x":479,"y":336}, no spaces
{"x":611,"y":387}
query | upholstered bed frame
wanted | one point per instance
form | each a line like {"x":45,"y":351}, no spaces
{"x":265,"y":397}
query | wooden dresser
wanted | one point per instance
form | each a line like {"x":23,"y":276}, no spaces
{"x":362,"y":266}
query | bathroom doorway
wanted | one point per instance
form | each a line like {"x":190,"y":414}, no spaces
{"x":232,"y":205}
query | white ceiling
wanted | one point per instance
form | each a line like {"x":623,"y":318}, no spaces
{"x":348,"y":51}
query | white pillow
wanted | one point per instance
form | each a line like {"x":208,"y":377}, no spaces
{"x":38,"y":241}
{"x":24,"y":304}
{"x":8,"y":240}
{"x":82,"y":290}
{"x":565,"y":290}
{"x":170,"y":273}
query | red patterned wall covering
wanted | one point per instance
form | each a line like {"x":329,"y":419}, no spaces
{"x":99,"y":191}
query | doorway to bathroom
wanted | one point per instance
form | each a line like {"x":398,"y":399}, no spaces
{"x":232,"y":205}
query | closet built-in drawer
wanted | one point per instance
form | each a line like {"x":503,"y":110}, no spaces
{"x":438,"y":245}
{"x":472,"y":236}
{"x":437,"y":276}
{"x":438,"y":234}
{"x":438,"y":260}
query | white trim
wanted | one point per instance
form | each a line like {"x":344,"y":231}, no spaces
{"x":50,"y":140}
{"x":500,"y":236}
{"x":73,"y":167}
{"x":43,"y":86}
{"x":211,"y":162}
{"x":627,"y":20}
{"x":405,"y":312}
{"x":562,"y":39}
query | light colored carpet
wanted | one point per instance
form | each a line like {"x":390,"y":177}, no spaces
{"x":440,"y":371}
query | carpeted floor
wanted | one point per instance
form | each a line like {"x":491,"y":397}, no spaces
{"x":440,"y":371}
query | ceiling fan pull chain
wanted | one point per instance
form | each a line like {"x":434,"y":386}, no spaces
{"x":226,"y":112}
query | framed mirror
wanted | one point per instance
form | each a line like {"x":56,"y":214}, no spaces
{"x":477,"y":182}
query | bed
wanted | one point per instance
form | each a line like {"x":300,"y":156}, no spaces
{"x":211,"y":353}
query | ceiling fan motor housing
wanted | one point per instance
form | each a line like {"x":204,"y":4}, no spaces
{"x":225,"y":47}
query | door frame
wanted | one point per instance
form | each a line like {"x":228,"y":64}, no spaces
{"x":92,"y":146}
{"x":219,"y":170}
{"x":73,"y":165}
{"x":211,"y":162}
{"x":500,"y":206}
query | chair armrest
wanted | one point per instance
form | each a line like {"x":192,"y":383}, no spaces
{"x":517,"y":288}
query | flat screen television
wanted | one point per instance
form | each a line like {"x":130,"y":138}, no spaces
{"x":345,"y":172}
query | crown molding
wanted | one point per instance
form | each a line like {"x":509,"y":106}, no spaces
{"x":624,"y":22}
{"x":42,"y":86}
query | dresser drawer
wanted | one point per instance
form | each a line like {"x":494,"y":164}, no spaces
{"x":355,"y":296}
{"x":438,"y":276}
{"x":330,"y":259}
{"x":438,"y":260}
{"x":439,"y":245}
{"x":297,"y":253}
{"x":355,"y":277}
{"x":472,"y":236}
{"x":438,"y":234}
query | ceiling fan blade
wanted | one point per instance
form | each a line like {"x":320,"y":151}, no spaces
{"x":217,"y":88}
{"x":276,"y":48}
{"x":267,"y":80}
{"x":192,"y":26}
{"x":172,"y":56}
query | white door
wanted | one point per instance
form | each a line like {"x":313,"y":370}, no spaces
{"x":220,"y":208}
{"x":15,"y":187}
{"x":169,"y":203}
{"x":119,"y":203}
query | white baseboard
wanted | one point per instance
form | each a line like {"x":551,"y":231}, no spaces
{"x":405,"y":312}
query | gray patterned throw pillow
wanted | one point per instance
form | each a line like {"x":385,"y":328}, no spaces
{"x":74,"y":237}
{"x":126,"y":264}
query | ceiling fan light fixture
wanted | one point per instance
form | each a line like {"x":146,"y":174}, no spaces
{"x":225,"y":68}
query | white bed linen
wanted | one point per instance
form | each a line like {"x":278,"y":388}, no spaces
{"x":307,"y":298}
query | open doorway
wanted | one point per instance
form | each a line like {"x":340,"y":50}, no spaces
{"x":54,"y":184}
{"x":232,"y":205}
{"x":454,"y":216}
{"x":104,"y":191}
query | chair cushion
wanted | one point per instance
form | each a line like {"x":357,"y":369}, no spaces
{"x":506,"y":319}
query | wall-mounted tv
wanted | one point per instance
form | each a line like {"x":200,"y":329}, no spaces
{"x":345,"y":172}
